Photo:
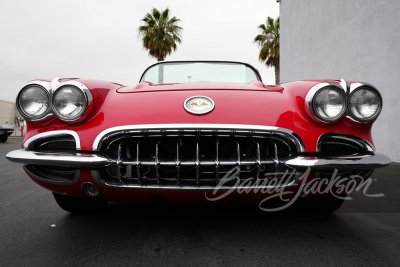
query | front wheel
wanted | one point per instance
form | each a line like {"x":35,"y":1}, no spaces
{"x":3,"y":139}
{"x":79,"y":205}
{"x":324,"y":204}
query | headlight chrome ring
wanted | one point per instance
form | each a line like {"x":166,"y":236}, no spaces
{"x":33,"y":102}
{"x":326,"y":102}
{"x":69,"y":102}
{"x":364,"y":103}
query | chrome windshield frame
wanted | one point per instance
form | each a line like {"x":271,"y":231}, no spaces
{"x":257,"y":73}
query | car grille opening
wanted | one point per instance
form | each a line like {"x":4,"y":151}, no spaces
{"x":52,"y":174}
{"x":342,"y":145}
{"x":59,"y":142}
{"x":194,"y":157}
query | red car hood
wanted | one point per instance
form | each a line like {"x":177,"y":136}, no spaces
{"x":148,"y":87}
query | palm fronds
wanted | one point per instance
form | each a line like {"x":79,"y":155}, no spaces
{"x":160,"y":33}
{"x":268,"y":41}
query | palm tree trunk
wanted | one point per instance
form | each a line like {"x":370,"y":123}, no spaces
{"x":277,"y":73}
{"x":161,"y":74}
{"x":160,"y":70}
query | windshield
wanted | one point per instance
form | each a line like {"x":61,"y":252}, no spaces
{"x":199,"y":72}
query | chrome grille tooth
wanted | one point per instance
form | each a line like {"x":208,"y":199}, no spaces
{"x":197,"y":162}
{"x":128,"y":149}
{"x":128,"y":171}
{"x":157,"y":162}
{"x":178,"y":160}
{"x":119,"y":163}
{"x":128,"y":155}
{"x":138,"y":162}
{"x":237,"y":153}
{"x":258,"y":159}
{"x":216,"y":159}
{"x":238,"y":163}
{"x":276,"y":159}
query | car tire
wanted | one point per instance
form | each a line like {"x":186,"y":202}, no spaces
{"x":323,"y":205}
{"x":79,"y":205}
{"x":3,"y":140}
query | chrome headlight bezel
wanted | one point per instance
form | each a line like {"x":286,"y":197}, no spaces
{"x":314,"y":92}
{"x":43,"y":86}
{"x":81,"y":113}
{"x":51,"y":88}
{"x":355,"y":87}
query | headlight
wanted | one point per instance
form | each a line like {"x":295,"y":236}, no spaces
{"x":33,"y":102}
{"x":69,"y":103}
{"x":365,"y":104}
{"x":329,"y":104}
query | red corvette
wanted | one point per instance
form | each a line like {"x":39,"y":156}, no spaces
{"x":193,"y":127}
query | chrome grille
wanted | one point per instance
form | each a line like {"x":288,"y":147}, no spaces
{"x":193,"y":157}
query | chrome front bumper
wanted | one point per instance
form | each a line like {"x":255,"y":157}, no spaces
{"x":71,"y":160}
{"x":93,"y":161}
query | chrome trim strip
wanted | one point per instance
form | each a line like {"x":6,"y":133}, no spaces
{"x":310,"y":97}
{"x":198,"y":126}
{"x":54,"y":83}
{"x":44,"y":84}
{"x":200,"y":61}
{"x":344,"y":85}
{"x":49,"y":181}
{"x":199,"y":188}
{"x":53,"y":133}
{"x":356,"y":85}
{"x":72,"y":160}
{"x":342,"y":163}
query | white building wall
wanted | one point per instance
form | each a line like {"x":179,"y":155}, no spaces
{"x":358,"y":40}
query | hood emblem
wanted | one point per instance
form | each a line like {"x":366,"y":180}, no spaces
{"x":199,"y":105}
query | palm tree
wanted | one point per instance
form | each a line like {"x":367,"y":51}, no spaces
{"x":268,"y":40}
{"x":160,"y":35}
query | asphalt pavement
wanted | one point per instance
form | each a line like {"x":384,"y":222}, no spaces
{"x":34,"y":231}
